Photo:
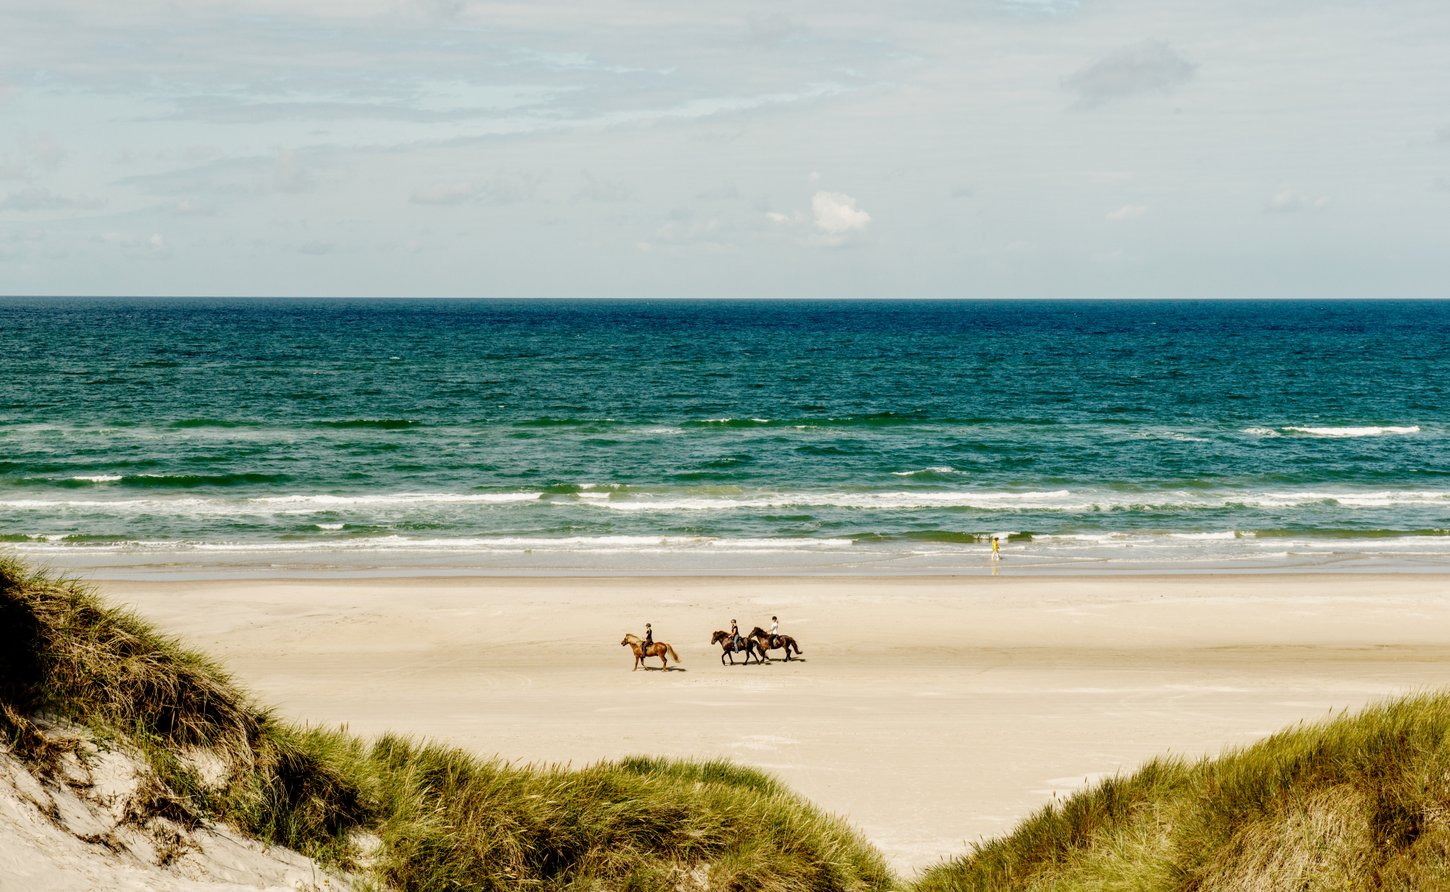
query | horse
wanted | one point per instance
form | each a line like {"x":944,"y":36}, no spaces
{"x":658,"y":649}
{"x":767,"y":643}
{"x":728,"y":649}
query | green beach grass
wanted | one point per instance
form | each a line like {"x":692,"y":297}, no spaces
{"x":1356,"y":802}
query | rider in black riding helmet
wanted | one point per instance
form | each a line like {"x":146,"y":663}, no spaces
{"x":649,"y":638}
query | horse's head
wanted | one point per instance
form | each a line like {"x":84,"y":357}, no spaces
{"x":627,"y":640}
{"x":718,"y":636}
{"x":756,"y":632}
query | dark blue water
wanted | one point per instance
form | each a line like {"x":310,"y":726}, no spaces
{"x":1179,"y":429}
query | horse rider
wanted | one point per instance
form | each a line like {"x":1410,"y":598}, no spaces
{"x":649,"y":639}
{"x":736,"y":642}
{"x":774,"y":633}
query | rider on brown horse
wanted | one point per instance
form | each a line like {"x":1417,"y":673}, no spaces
{"x":735,"y":636}
{"x":649,"y":637}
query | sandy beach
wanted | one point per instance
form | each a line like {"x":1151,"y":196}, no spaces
{"x":929,"y":711}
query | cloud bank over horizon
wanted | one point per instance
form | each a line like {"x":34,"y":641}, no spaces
{"x":995,"y":148}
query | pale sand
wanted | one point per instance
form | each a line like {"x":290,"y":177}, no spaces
{"x":930,"y":712}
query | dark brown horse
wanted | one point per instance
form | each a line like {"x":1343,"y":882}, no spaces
{"x":728,"y":649}
{"x":658,"y":649}
{"x":766,"y":642}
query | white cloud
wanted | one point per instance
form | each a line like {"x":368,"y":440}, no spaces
{"x":1148,"y":67}
{"x":836,"y":213}
{"x":1288,"y":201}
{"x":834,"y":218}
{"x":1125,"y":213}
{"x":684,"y":233}
{"x":138,"y":244}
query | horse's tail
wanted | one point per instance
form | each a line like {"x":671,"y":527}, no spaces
{"x":797,"y":646}
{"x":674,"y":656}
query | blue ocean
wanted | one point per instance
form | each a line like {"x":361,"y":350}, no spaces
{"x":329,"y":435}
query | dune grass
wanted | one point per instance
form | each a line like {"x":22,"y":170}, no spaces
{"x":442,"y":818}
{"x":1354,"y":802}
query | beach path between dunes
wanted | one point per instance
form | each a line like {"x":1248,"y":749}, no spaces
{"x":930,"y":712}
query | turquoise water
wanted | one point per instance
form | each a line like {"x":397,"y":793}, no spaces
{"x":619,"y":435}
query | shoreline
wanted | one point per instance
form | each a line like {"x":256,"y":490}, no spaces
{"x":931,"y":711}
{"x":1018,"y":559}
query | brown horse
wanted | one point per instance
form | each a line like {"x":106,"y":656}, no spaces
{"x":727,"y":648}
{"x":767,"y":643}
{"x":658,"y":649}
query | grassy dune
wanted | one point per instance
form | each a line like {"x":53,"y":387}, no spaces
{"x":1357,"y":802}
{"x":441,"y":819}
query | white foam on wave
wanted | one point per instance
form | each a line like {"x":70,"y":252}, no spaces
{"x":1175,"y":436}
{"x":1334,"y":432}
{"x":506,"y":544}
{"x":937,"y":469}
{"x":331,"y":502}
{"x":664,"y":501}
{"x":97,"y":478}
{"x":1354,"y":431}
{"x":1054,"y":500}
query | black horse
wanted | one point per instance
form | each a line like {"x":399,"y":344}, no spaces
{"x":766,"y":642}
{"x":728,"y":648}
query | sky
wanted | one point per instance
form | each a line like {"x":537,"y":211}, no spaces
{"x":920,"y":148}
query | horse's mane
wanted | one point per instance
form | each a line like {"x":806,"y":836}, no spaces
{"x":630,"y":636}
